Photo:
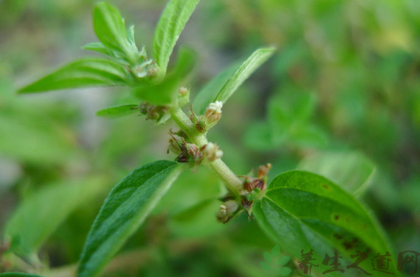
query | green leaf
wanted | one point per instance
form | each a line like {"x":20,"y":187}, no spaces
{"x":275,"y":251}
{"x":208,"y":93}
{"x":119,"y":111}
{"x":303,"y":211}
{"x":351,"y":170}
{"x":187,"y":59}
{"x":268,"y":257}
{"x":244,"y":71}
{"x":169,"y":28}
{"x":283,"y":260}
{"x":98,"y":47}
{"x":16,"y":274}
{"x":130,"y":35}
{"x":125,"y":208}
{"x":259,"y":136}
{"x":265,"y":265}
{"x":163,"y":93}
{"x":40,"y":214}
{"x":81,"y":74}
{"x":31,"y":138}
{"x":284,"y":271}
{"x":110,"y":29}
{"x":292,"y":108}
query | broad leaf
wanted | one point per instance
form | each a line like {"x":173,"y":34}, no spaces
{"x":244,"y":71}
{"x":125,"y":208}
{"x":169,"y":28}
{"x":110,"y":29}
{"x":283,"y":260}
{"x":209,"y":92}
{"x":81,"y":74}
{"x":350,"y":170}
{"x":119,"y":111}
{"x":40,"y":214}
{"x":275,"y":251}
{"x":304,"y":211}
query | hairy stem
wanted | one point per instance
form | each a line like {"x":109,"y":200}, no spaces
{"x":218,"y":166}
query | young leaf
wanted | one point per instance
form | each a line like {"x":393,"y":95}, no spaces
{"x":208,"y":93}
{"x":40,"y":214}
{"x":351,"y":170}
{"x":125,"y":208}
{"x":304,"y":211}
{"x":118,"y":111}
{"x":81,"y":74}
{"x":169,"y":28}
{"x":98,"y":47}
{"x":110,"y":29}
{"x":244,"y":71}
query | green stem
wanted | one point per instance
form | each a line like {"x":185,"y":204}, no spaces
{"x":218,"y":166}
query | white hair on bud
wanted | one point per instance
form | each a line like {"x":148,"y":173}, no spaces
{"x":216,"y":106}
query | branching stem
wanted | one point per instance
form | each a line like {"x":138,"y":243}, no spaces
{"x":218,"y":166}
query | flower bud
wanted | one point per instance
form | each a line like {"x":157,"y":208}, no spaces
{"x":183,"y":91}
{"x":263,"y":170}
{"x":213,"y":112}
{"x":227,"y":210}
{"x":212,"y":152}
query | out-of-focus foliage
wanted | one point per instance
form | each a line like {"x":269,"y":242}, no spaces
{"x":346,"y":79}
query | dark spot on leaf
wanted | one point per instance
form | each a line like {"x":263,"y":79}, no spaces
{"x":350,"y":244}
{"x":326,"y":187}
{"x":336,"y":217}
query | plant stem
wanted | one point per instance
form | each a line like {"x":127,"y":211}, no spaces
{"x":218,"y":166}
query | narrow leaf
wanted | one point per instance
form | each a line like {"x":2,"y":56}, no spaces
{"x":125,"y":208}
{"x":40,"y":214}
{"x":187,"y":59}
{"x":208,"y":93}
{"x":81,"y":74}
{"x":244,"y":71}
{"x":351,"y":170}
{"x":169,"y":28}
{"x":163,"y":93}
{"x":118,"y":111}
{"x":110,"y":29}
{"x":304,"y":211}
{"x":98,"y":47}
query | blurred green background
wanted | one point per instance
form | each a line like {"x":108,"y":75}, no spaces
{"x":340,"y":97}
